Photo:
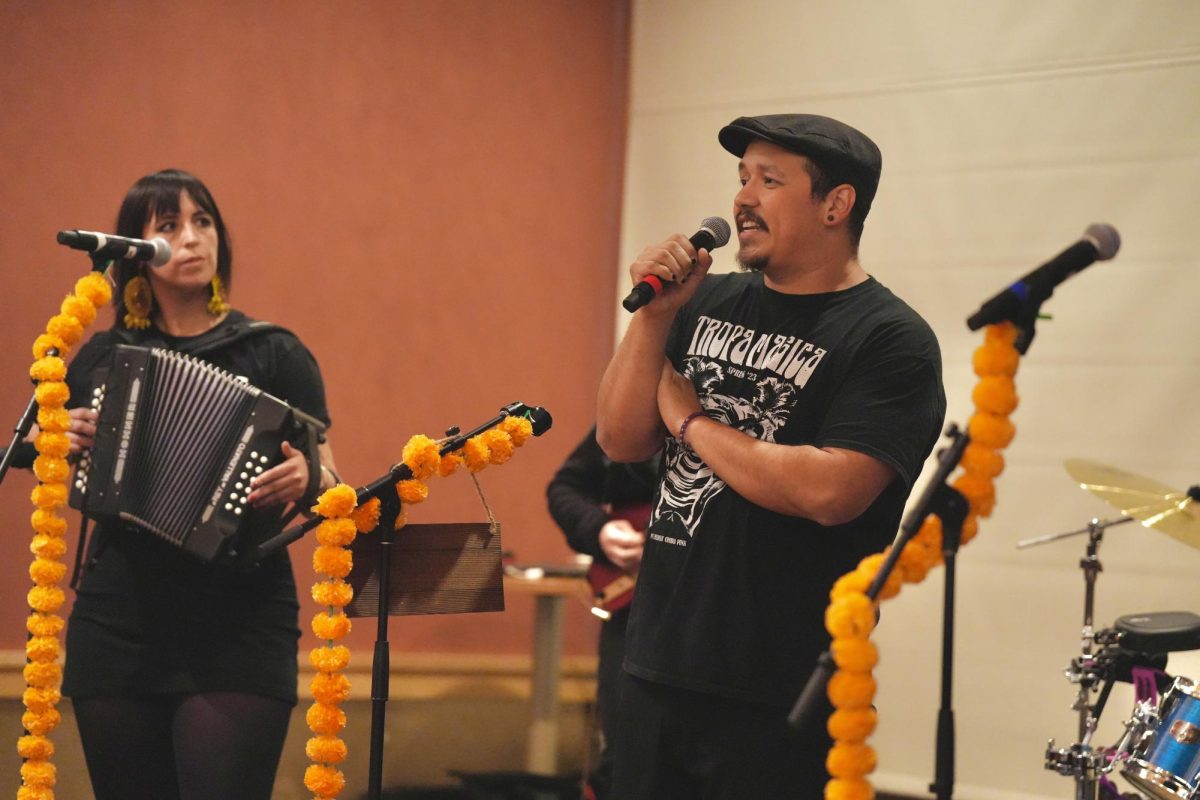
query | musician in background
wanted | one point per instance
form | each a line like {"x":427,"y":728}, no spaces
{"x":602,"y":507}
{"x":182,"y":673}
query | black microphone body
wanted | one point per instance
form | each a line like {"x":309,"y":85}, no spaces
{"x":156,"y":251}
{"x":1100,"y":242}
{"x":714,"y":232}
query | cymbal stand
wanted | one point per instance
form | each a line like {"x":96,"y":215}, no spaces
{"x":1088,"y":670}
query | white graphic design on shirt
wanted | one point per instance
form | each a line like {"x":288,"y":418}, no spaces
{"x":688,"y":483}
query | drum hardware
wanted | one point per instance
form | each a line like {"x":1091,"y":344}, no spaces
{"x":1165,"y":764}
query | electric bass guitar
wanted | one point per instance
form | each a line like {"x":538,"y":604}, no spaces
{"x":612,"y":588}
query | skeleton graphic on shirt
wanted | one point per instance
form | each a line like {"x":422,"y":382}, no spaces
{"x":689,"y":483}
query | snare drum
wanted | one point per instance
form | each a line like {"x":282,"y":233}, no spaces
{"x":1166,"y":764}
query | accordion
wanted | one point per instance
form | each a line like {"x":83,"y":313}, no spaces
{"x":177,"y":442}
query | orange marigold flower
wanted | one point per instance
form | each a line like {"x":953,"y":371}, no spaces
{"x":982,"y":460}
{"x":851,"y":760}
{"x":54,"y":420}
{"x":35,"y":747}
{"x":421,"y":456}
{"x":51,"y":469}
{"x":48,"y":368}
{"x":851,"y":583}
{"x":56,"y":445}
{"x":326,"y":749}
{"x":995,"y":394}
{"x":499,"y":444}
{"x":852,"y":724}
{"x":40,"y":724}
{"x":46,"y":599}
{"x":401,"y":519}
{"x":329,"y":659}
{"x":338,"y":532}
{"x":65,"y":328}
{"x":39,"y":774}
{"x":80,"y":308}
{"x":995,"y":359}
{"x":44,"y":624}
{"x":991,"y":431}
{"x":34,"y":793}
{"x":325,"y":718}
{"x":851,"y":689}
{"x":336,"y":502}
{"x":915,"y":561}
{"x":970,"y":528}
{"x":1003,"y":332}
{"x":47,"y":342}
{"x":366,"y":516}
{"x":333,"y":593}
{"x":869,"y":567}
{"x":979,"y":491}
{"x":851,"y":615}
{"x":475,"y":454}
{"x":330,"y":687}
{"x":48,"y":522}
{"x":849,"y":789}
{"x":49,"y":496}
{"x":42,"y":675}
{"x":52,"y":394}
{"x":330,"y":627}
{"x":324,"y":781}
{"x":40,"y":698}
{"x":855,"y":655}
{"x":450,"y":462}
{"x":412,"y":492}
{"x":518,"y":428}
{"x":49,"y":547}
{"x":45,"y":572}
{"x":41,"y":649}
{"x":94,"y":288}
{"x":336,"y":562}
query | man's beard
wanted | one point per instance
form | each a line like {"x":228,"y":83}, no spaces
{"x":755,"y":264}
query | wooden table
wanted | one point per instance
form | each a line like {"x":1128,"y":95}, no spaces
{"x":550,"y":594}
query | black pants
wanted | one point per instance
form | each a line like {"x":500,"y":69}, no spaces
{"x":674,"y":744}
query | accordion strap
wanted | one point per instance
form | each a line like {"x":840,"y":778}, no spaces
{"x":240,"y":328}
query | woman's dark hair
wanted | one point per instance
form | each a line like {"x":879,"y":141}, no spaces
{"x":159,"y":194}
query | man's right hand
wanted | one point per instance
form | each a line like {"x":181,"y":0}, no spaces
{"x":678,"y":265}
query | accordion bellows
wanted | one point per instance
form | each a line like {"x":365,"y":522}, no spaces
{"x":176,"y":445}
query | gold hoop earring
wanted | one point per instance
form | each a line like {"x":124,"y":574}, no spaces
{"x":138,"y":302}
{"x":216,"y":304}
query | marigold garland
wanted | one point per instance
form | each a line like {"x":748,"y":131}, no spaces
{"x":332,"y":561}
{"x":850,"y":616}
{"x":42,"y":671}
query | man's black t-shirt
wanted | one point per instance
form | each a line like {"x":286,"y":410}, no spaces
{"x":731,"y":596}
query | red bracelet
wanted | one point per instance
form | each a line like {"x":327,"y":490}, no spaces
{"x":683,"y":426}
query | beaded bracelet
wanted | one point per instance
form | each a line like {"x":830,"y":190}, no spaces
{"x":683,"y":426}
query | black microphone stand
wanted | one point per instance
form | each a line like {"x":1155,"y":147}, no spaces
{"x":950,"y":506}
{"x":384,"y":488}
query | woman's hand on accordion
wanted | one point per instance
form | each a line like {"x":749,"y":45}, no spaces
{"x":82,"y":430}
{"x":283,"y":483}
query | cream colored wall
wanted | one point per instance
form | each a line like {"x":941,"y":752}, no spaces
{"x":1006,"y":128}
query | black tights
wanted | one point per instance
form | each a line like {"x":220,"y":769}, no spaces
{"x":182,"y":747}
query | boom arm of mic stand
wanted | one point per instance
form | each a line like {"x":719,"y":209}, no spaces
{"x":948,"y":459}
{"x":400,"y":472}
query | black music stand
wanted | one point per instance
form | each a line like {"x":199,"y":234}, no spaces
{"x":450,"y":568}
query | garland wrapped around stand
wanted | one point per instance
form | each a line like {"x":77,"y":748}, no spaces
{"x":43,"y":673}
{"x":851,"y":614}
{"x":332,"y":562}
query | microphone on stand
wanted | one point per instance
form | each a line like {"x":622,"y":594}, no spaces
{"x":156,"y":251}
{"x":714,"y":232}
{"x":1100,"y":242}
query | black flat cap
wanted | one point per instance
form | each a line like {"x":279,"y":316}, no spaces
{"x":846,"y":155}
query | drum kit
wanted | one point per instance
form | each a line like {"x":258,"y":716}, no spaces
{"x":1159,"y":752}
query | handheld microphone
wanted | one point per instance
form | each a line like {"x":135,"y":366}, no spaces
{"x":1100,"y":242}
{"x":156,"y":251}
{"x":713,"y":233}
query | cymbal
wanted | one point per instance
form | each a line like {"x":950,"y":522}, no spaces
{"x":1155,"y":505}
